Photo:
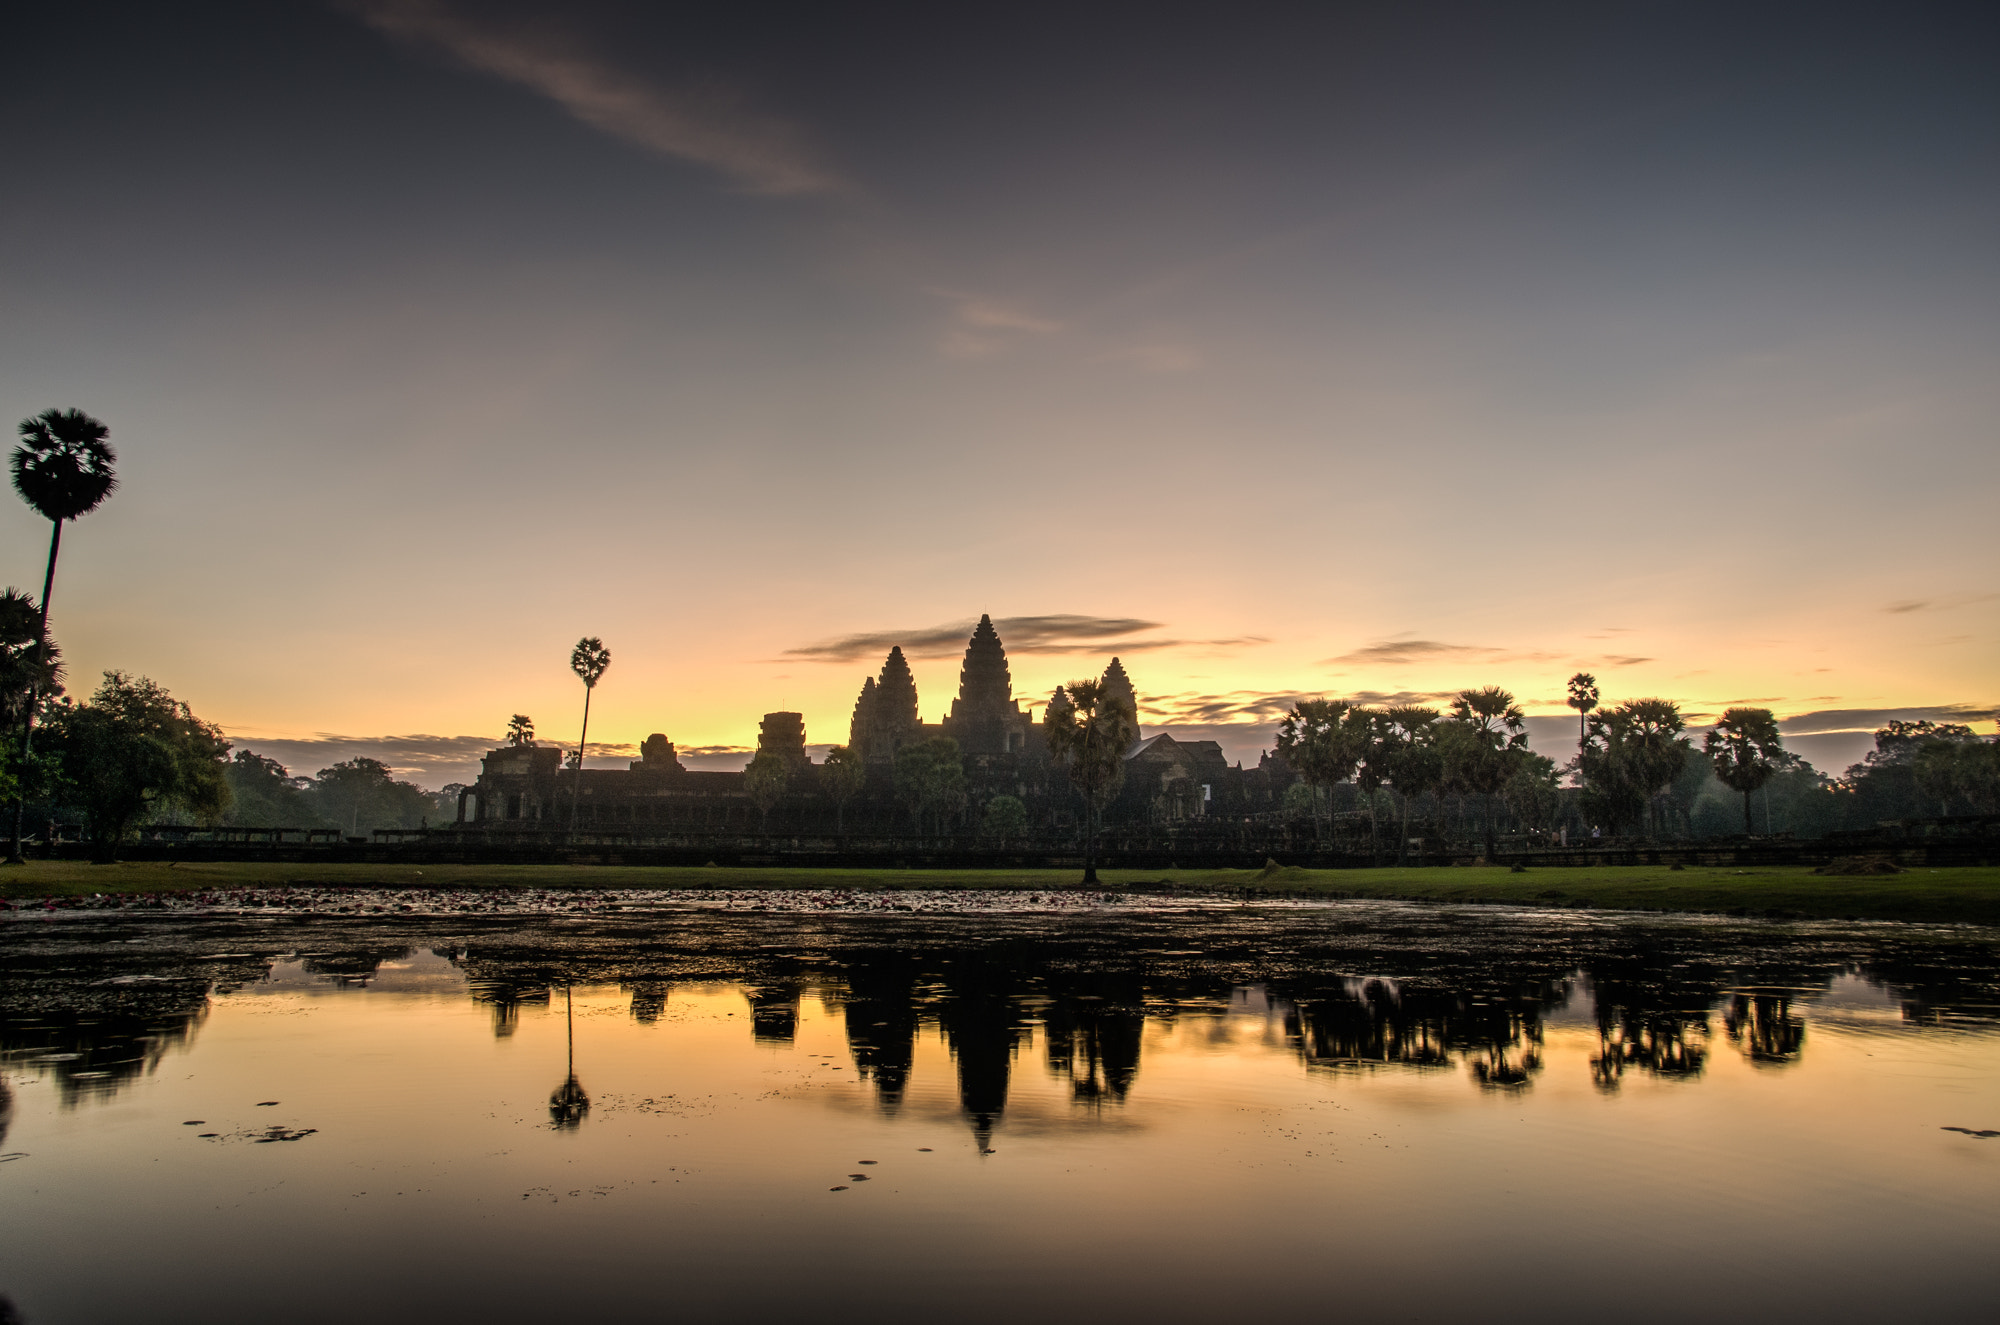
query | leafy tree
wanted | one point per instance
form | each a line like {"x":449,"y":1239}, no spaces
{"x":521,"y":728}
{"x":1301,"y":801}
{"x":1958,"y":770}
{"x":1582,"y":698}
{"x":930,"y":779}
{"x":262,"y":794}
{"x":588,"y":660}
{"x":765,"y":781}
{"x":1481,"y":744}
{"x":30,"y":662}
{"x":64,"y":468}
{"x":131,"y":750}
{"x":1317,"y":739}
{"x":363,"y":793}
{"x":1006,"y":818}
{"x":1534,"y":790}
{"x":843,"y":774}
{"x":1746,"y":751}
{"x":445,"y":801}
{"x":1088,"y":727}
{"x":1885,"y":784}
{"x":30,"y":667}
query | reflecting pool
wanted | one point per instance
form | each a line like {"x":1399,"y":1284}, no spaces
{"x":992,"y":1109}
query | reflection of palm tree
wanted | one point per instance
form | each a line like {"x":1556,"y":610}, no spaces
{"x":1764,"y":1025}
{"x":62,"y":468}
{"x":568,"y":1103}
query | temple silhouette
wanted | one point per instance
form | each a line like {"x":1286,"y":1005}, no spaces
{"x":1000,"y":745}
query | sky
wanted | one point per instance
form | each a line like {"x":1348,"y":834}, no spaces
{"x":1279,"y":350}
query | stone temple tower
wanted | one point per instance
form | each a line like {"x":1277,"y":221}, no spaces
{"x":885,"y":716}
{"x":984,"y":719}
{"x":1118,"y":689}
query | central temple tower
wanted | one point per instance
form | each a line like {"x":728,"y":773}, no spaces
{"x":984,"y":719}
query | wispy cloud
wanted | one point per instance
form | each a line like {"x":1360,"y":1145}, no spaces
{"x":1622,"y":660}
{"x":1260,"y":707}
{"x":1055,"y":633}
{"x":1404,"y":652}
{"x":711,"y":125}
{"x":982,"y":327}
{"x":1407,"y":651}
{"x":1861,"y":720}
{"x":1940,"y":604}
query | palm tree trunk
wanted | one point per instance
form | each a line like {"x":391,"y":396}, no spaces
{"x":576,"y":788}
{"x":14,"y":856}
{"x":1747,"y":829}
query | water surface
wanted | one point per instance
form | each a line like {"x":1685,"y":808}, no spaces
{"x":993,"y":1109}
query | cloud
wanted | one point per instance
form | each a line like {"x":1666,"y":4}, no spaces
{"x":1622,"y":660}
{"x":1255,"y":707}
{"x":1867,"y":720}
{"x":1397,"y":653}
{"x":1058,"y":633}
{"x":983,"y":327}
{"x":1940,"y":604}
{"x":710,"y":126}
{"x":1406,"y":651}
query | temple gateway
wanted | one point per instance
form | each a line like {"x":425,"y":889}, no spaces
{"x":530,"y":788}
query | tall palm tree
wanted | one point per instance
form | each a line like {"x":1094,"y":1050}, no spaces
{"x":1747,"y":750}
{"x":64,"y":469}
{"x":588,"y":660}
{"x":1582,"y":698}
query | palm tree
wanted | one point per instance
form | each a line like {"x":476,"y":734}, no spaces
{"x":1582,"y":698}
{"x":62,"y":468}
{"x":1746,"y":751}
{"x":588,"y":660}
{"x":1317,"y":739}
{"x":1483,"y":740}
{"x":520,"y":730}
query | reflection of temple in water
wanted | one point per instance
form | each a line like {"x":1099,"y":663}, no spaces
{"x":774,"y":1010}
{"x":95,"y":1019}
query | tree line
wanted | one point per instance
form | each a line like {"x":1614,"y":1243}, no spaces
{"x":1636,"y":771}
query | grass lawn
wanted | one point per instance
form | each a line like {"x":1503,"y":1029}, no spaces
{"x":1959,"y":893}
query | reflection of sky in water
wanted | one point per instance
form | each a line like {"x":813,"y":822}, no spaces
{"x":1234,"y":1115}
